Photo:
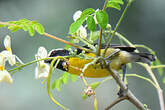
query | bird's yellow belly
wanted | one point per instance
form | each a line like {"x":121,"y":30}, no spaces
{"x":93,"y":71}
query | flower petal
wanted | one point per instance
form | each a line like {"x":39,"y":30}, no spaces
{"x":12,"y":60}
{"x":9,"y":57}
{"x":7,"y":43}
{"x":83,"y":32}
{"x":2,"y":60}
{"x":42,"y":52}
{"x":5,"y":77}
{"x":6,"y":53}
{"x":77,"y":15}
{"x":42,"y":71}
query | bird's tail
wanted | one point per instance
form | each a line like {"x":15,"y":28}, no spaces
{"x":144,"y":57}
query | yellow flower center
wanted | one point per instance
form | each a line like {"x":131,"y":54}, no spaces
{"x":8,"y":48}
{"x":1,"y":68}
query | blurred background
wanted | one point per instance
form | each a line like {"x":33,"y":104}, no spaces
{"x":144,"y":23}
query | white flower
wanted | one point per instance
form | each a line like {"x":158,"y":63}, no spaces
{"x":42,"y":69}
{"x":8,"y":52}
{"x":82,"y":30}
{"x":5,"y":77}
{"x":77,"y":15}
{"x":7,"y":43}
{"x":108,"y":26}
{"x":9,"y":57}
{"x":4,"y":74}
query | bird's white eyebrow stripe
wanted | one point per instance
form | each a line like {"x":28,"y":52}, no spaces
{"x":54,"y":50}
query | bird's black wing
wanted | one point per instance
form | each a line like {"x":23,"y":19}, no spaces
{"x":121,"y":47}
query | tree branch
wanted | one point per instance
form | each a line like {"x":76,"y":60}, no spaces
{"x":149,"y":69}
{"x":125,"y":91}
{"x":119,"y":99}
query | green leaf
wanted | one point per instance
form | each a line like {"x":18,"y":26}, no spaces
{"x":33,"y":22}
{"x":163,"y":80}
{"x":74,"y":78}
{"x":25,"y":27}
{"x":14,"y":28}
{"x":75,"y":25}
{"x":87,"y":12}
{"x":31,"y":30}
{"x":67,"y":46}
{"x":24,"y":20}
{"x":12,"y":22}
{"x":65,"y":77}
{"x":39,"y":28}
{"x":54,"y":84}
{"x":84,"y":96}
{"x":102,"y":18}
{"x":160,"y":70}
{"x":113,"y":5}
{"x":91,"y":23}
{"x":57,"y":84}
{"x":2,"y":25}
{"x":61,"y":80}
{"x":117,"y":1}
{"x":95,"y":85}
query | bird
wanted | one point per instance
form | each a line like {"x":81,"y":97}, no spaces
{"x":117,"y":56}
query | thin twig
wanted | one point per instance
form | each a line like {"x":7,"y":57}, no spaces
{"x":116,"y":27}
{"x":119,"y":99}
{"x":48,"y":81}
{"x":105,"y":4}
{"x":101,"y":31}
{"x":133,"y":75}
{"x":100,"y":40}
{"x":26,"y":64}
{"x":158,"y":66}
{"x":64,"y":41}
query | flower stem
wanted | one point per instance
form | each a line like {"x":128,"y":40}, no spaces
{"x":48,"y":81}
{"x":116,"y":27}
{"x":29,"y":63}
{"x":101,"y":31}
{"x":133,"y":75}
{"x":158,"y":66}
{"x":89,"y":45}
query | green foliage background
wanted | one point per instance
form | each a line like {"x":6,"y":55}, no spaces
{"x":144,"y":23}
